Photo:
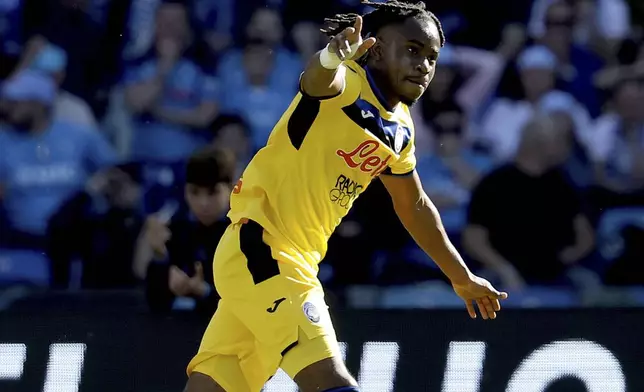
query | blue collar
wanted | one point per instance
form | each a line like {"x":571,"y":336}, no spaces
{"x":376,"y":90}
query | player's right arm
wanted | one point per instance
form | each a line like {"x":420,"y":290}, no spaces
{"x":321,"y":78}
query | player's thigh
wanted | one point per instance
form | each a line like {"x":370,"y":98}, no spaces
{"x":198,"y":382}
{"x":324,"y":375}
{"x":224,"y":342}
{"x":316,"y":364}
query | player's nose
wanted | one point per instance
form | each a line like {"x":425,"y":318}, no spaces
{"x":424,"y":67}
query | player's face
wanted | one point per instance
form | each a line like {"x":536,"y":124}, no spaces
{"x":409,"y":55}
{"x":206,"y":203}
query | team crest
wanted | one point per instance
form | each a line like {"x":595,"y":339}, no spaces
{"x":311,"y":312}
{"x":399,"y":138}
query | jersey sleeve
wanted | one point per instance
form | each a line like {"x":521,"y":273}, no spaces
{"x":406,"y":162}
{"x":350,"y":91}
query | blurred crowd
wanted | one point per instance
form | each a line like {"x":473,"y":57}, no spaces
{"x":124,"y":126}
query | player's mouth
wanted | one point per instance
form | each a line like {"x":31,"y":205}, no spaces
{"x":419,"y":81}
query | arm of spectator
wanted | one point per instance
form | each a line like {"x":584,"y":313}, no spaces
{"x":145,"y":83}
{"x":142,"y":95}
{"x":584,"y":241}
{"x":477,"y":244}
{"x":151,"y":245}
{"x":199,"y":117}
{"x":485,"y":70}
{"x":487,"y":67}
{"x":611,"y":22}
{"x":609,"y":77}
{"x":100,"y":154}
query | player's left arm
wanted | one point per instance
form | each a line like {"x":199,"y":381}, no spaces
{"x":421,"y":219}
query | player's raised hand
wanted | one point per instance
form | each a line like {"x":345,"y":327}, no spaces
{"x":480,"y":292}
{"x":349,"y":45}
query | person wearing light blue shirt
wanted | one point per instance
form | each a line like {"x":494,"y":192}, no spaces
{"x":174,"y":101}
{"x":42,"y":161}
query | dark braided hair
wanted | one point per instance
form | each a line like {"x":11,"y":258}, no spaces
{"x":385,"y":13}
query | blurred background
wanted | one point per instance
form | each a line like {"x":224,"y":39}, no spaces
{"x":124,"y":125}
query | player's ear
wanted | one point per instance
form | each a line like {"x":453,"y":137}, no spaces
{"x":376,"y":51}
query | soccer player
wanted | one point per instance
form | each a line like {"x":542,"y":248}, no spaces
{"x":348,"y":125}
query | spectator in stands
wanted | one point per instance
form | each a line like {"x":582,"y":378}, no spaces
{"x":283,"y":67}
{"x":599,"y":24}
{"x":68,"y":25}
{"x":468,"y":74}
{"x":52,"y":60}
{"x":503,"y":123}
{"x":253,"y":93}
{"x":576,"y":65}
{"x":216,"y":21}
{"x":175,"y":255}
{"x":525,"y":220}
{"x":453,"y":169}
{"x":11,"y":35}
{"x":98,"y":226}
{"x":42,"y":161}
{"x":173,"y":100}
{"x":233,"y":134}
{"x":617,"y":140}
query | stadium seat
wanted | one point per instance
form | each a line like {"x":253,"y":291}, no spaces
{"x":23,"y":267}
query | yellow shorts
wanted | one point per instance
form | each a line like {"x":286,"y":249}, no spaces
{"x":271,"y":314}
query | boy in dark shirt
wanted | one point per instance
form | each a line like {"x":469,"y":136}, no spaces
{"x":176,"y":250}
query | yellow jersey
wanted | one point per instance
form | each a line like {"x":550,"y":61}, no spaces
{"x":321,"y":155}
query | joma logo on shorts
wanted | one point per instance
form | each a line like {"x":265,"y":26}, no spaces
{"x":363,"y":157}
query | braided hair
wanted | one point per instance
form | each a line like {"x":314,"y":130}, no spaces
{"x":385,"y":13}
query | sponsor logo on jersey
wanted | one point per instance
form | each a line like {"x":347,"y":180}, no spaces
{"x":345,"y":191}
{"x":364,"y":158}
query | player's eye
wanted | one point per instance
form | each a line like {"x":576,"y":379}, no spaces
{"x":413,"y":50}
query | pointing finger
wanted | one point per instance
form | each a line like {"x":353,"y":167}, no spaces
{"x":358,"y":25}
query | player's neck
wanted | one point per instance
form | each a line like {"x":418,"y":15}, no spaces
{"x":382,"y":88}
